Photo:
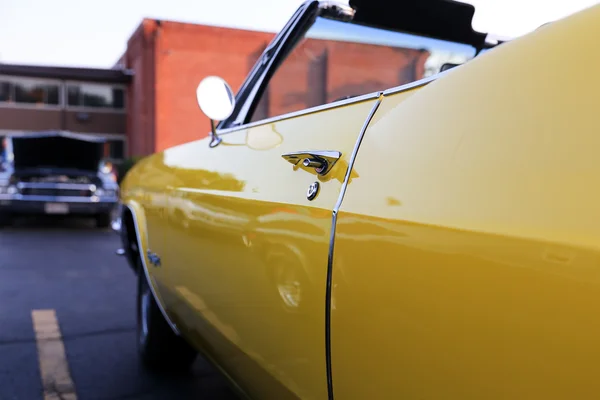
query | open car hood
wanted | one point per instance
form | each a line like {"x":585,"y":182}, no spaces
{"x":57,"y":150}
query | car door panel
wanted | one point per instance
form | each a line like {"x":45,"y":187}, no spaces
{"x":250,"y":251}
{"x":466,"y":256}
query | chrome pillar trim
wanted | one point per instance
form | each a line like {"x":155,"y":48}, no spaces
{"x":336,"y":209}
{"x":147,"y":274}
{"x":355,"y":152}
{"x":294,"y":114}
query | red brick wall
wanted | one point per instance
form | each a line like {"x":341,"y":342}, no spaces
{"x":140,"y":95}
{"x":169,"y":59}
{"x":322,"y":71}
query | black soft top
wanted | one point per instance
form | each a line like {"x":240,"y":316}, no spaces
{"x":439,"y":19}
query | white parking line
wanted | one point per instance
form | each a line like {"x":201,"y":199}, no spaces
{"x":54,"y":368}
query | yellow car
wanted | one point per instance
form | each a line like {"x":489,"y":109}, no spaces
{"x":391,"y":206}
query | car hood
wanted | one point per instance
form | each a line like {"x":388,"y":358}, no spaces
{"x":57,"y":150}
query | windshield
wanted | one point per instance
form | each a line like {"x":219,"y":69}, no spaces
{"x":336,"y":60}
{"x":424,"y":55}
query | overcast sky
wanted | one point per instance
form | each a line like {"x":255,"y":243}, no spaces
{"x":94,"y":34}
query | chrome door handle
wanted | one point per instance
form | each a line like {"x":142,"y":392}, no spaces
{"x":321,"y":161}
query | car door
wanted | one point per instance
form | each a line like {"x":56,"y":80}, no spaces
{"x":250,"y":226}
{"x":250,"y":234}
{"x":249,"y":248}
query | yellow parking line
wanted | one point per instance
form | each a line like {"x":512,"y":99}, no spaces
{"x":54,"y":368}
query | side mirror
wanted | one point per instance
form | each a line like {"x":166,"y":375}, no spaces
{"x":216,"y":100}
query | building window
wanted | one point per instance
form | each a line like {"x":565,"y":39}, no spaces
{"x":5,"y":88}
{"x":16,"y":90}
{"x":89,"y":95}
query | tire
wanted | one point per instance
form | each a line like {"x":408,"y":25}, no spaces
{"x":103,"y":220}
{"x":159,"y":347}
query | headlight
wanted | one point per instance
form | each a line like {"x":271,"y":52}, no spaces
{"x":106,"y":167}
{"x":12,"y":190}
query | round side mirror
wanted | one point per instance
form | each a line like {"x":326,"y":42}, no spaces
{"x":215,"y":98}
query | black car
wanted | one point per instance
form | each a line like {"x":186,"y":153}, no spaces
{"x":56,"y":172}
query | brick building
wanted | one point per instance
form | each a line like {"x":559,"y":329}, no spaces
{"x":169,"y":59}
{"x":83,"y":100}
{"x":147,"y":101}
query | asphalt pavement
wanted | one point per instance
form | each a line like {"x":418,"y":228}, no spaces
{"x":66,"y":270}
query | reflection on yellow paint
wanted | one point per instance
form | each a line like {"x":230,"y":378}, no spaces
{"x":263,"y":137}
{"x":199,"y":305}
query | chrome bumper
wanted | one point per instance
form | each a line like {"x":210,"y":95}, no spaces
{"x":22,"y":204}
{"x":32,"y":197}
{"x":5,"y":198}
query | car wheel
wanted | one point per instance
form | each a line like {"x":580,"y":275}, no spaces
{"x":159,"y":347}
{"x":103,"y":220}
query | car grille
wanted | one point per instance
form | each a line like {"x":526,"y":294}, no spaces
{"x":55,"y":189}
{"x":56,"y":192}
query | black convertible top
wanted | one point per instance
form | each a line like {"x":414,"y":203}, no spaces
{"x":440,"y":19}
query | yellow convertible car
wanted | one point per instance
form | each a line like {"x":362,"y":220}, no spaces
{"x":393,"y":205}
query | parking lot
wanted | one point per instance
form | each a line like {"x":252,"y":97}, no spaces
{"x":63,"y":276}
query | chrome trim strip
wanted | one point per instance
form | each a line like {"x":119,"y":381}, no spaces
{"x":58,"y":199}
{"x":142,"y":256}
{"x":49,"y":185}
{"x":298,"y":113}
{"x":332,"y":242}
{"x":339,"y":103}
{"x":415,"y":84}
{"x":355,"y":152}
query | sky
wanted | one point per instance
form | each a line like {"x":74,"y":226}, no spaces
{"x":94,"y":34}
